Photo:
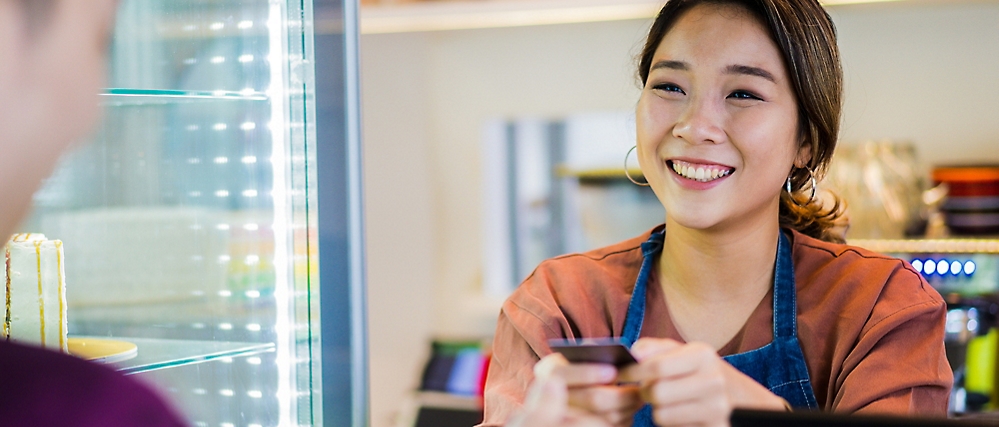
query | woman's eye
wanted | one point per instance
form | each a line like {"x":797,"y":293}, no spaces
{"x":668,"y":87}
{"x":741,"y":94}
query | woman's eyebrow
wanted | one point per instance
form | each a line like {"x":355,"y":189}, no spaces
{"x":750,"y":71}
{"x":672,"y":65}
{"x":731,"y":69}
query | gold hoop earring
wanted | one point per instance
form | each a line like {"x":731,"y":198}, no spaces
{"x":626,"y":155}
{"x":815,"y":186}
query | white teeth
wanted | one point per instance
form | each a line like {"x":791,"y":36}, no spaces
{"x":701,"y":174}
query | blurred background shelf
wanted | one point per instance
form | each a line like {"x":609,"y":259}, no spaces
{"x":930,"y":246}
{"x":598,"y":174}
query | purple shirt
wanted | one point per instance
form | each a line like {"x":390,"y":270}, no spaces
{"x":44,"y":388}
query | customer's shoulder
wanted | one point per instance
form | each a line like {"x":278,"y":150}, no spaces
{"x":75,"y":392}
{"x":59,"y":371}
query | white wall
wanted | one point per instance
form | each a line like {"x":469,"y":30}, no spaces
{"x":922,"y":71}
{"x":927,"y":73}
{"x":478,"y":75}
{"x":400,"y":217}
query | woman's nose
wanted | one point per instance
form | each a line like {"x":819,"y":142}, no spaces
{"x":700,"y":123}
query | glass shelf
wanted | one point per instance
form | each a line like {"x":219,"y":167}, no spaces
{"x":154,"y":354}
{"x":126,"y":97}
{"x":930,"y":246}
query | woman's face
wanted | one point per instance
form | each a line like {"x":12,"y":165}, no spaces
{"x":717,"y":121}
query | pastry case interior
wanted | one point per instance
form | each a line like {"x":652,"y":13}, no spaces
{"x":189,"y":218}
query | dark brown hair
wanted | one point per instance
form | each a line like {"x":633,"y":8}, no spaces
{"x":806,"y":37}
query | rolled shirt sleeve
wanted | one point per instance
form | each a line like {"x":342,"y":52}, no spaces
{"x":899,"y":364}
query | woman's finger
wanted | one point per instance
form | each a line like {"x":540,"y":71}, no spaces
{"x":703,"y":384}
{"x":646,"y":347}
{"x":577,"y":418}
{"x":676,"y":362}
{"x":711,"y":412}
{"x":546,"y":404}
{"x":623,"y":417}
{"x":575,"y":375}
{"x":606,"y":399}
{"x":586,"y":374}
{"x":547,"y":365}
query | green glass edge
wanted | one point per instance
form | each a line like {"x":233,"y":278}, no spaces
{"x":195,"y":357}
{"x":182,"y":94}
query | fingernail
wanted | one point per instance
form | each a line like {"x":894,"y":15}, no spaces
{"x":607,"y":373}
{"x":550,"y":386}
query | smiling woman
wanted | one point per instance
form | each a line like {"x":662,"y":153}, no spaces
{"x":744,"y":298}
{"x":807,"y":50}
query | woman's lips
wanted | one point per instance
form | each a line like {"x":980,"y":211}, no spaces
{"x":700,"y":172}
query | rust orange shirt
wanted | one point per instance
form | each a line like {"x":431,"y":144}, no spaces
{"x":870,"y":327}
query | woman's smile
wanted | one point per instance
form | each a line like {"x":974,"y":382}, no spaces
{"x":700,"y":172}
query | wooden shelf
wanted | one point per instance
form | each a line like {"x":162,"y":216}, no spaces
{"x":468,"y":14}
{"x":598,"y":174}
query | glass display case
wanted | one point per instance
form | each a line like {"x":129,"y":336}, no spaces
{"x":189,"y":219}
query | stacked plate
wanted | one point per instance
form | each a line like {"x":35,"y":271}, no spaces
{"x":972,"y":204}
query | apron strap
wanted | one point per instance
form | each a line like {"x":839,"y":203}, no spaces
{"x":780,"y":365}
{"x":636,"y":307}
{"x":785,"y":295}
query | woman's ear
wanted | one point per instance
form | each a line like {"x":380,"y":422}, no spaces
{"x":804,"y":156}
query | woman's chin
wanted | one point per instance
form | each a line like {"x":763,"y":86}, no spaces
{"x":697,"y":220}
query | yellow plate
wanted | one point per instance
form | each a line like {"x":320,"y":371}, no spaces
{"x":102,"y":350}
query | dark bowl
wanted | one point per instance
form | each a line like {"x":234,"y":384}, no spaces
{"x":971,"y":204}
{"x":969,"y":181}
{"x":972,"y":223}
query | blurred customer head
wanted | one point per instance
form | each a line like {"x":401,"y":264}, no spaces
{"x":806,"y":38}
{"x":52,"y":66}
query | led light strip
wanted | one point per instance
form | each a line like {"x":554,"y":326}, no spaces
{"x":944,"y":267}
{"x":277,"y":21}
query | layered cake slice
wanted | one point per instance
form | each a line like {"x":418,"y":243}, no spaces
{"x":35,"y":292}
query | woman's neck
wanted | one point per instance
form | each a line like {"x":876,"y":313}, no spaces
{"x":707,"y":268}
{"x":713,"y":281}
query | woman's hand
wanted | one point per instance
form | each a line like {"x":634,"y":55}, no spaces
{"x":547,"y":405}
{"x":547,"y":401}
{"x":565,"y":394}
{"x":689,"y":384}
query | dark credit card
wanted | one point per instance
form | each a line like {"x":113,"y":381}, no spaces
{"x":610,"y":351}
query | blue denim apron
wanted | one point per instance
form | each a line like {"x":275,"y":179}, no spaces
{"x":778,"y":366}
